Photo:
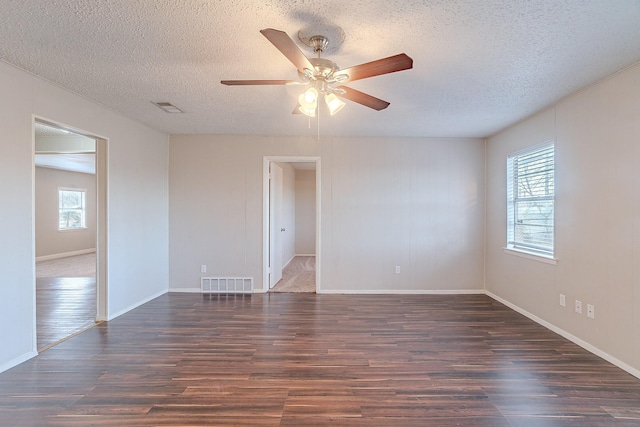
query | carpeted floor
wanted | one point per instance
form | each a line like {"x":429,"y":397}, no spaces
{"x":73,"y":266}
{"x":298,"y":276}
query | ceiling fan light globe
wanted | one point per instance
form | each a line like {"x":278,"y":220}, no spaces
{"x":307,"y":111}
{"x":309,"y":97}
{"x":305,"y":106}
{"x":334,"y":103}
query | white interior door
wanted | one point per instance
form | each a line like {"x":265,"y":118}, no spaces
{"x":275,"y":224}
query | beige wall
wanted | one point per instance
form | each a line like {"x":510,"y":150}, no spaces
{"x":50,"y":240}
{"x":413,"y":202}
{"x":597,"y":217}
{"x":305,"y":188}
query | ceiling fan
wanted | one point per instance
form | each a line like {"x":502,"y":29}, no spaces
{"x":324,"y":77}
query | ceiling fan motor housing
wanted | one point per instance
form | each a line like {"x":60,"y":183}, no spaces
{"x":318,"y":43}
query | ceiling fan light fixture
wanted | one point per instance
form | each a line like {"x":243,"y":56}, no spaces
{"x":324,"y":75}
{"x":334,"y":103}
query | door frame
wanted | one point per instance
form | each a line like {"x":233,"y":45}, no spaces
{"x":266,"y":161}
{"x":275,"y":214}
{"x":101,"y":164}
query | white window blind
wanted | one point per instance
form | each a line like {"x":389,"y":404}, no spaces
{"x":530,"y":197}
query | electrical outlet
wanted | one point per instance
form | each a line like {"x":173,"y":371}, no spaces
{"x":578,"y":307}
{"x":397,"y":269}
{"x":563,"y":300}
{"x":203,"y":268}
{"x":591,"y":311}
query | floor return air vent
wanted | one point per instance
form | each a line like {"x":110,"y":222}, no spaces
{"x":226,"y":285}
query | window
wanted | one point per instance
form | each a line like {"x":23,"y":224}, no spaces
{"x":530,"y":194}
{"x":71,"y":209}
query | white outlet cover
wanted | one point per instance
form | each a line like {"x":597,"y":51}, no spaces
{"x":578,"y":307}
{"x":591,"y":311}
{"x":563,"y":301}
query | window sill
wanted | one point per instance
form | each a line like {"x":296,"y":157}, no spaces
{"x":65,"y":230}
{"x":530,"y":255}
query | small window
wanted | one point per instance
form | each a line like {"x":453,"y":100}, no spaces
{"x":530,"y":199}
{"x":71,"y":209}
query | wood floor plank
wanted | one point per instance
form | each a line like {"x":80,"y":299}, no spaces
{"x":307,"y":359}
{"x":64,"y":306}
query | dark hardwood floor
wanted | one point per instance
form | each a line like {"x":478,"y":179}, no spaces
{"x":64,"y":306}
{"x":305,"y":359}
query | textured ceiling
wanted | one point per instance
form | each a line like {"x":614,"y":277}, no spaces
{"x":479,"y":66}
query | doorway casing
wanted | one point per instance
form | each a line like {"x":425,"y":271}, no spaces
{"x":101,"y":163}
{"x":267,"y":160}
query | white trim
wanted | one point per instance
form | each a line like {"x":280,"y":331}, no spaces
{"x":530,"y":255}
{"x":185,"y":290}
{"x":18,"y":360}
{"x":65,"y":254}
{"x":266,"y":160}
{"x":404,"y":291}
{"x":590,"y":348}
{"x":266,"y":176}
{"x":136,"y":305}
{"x":313,"y":255}
{"x":34,"y":318}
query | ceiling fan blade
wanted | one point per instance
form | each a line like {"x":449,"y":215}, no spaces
{"x":362,"y":98}
{"x":284,"y":44}
{"x":257,"y":82}
{"x":376,"y":68}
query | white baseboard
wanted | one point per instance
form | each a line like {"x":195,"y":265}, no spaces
{"x":288,"y":262}
{"x":186,"y":290}
{"x":403,"y":291}
{"x":18,"y":360}
{"x":590,"y":348}
{"x":136,"y":305}
{"x":65,"y":254}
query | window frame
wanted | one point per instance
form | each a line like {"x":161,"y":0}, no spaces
{"x":82,"y":209}
{"x":519,"y":247}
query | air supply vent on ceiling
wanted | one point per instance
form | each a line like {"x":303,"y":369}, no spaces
{"x":168,"y":107}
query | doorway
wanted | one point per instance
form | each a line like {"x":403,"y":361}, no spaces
{"x":291,"y":224}
{"x":69,"y":230}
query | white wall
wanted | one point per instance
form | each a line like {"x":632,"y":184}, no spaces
{"x":597,"y":217}
{"x":305,"y":188}
{"x":137,"y":197}
{"x":50,"y":240}
{"x":413,"y":202}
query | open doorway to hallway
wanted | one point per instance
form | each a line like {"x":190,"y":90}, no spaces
{"x":66,"y":194}
{"x":291,"y":224}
